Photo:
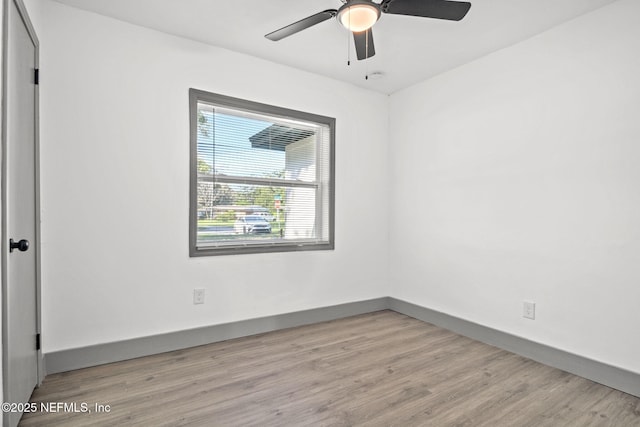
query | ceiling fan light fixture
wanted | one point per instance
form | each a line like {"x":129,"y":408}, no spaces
{"x":358,"y":16}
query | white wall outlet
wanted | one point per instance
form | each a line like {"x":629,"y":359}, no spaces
{"x":529,"y":310}
{"x":198,"y":296}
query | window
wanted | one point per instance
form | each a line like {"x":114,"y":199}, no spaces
{"x":261,"y":177}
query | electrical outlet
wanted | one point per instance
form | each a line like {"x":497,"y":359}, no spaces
{"x":529,"y":310}
{"x":198,"y":296}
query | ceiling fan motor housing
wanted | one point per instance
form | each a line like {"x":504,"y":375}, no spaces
{"x":358,"y":15}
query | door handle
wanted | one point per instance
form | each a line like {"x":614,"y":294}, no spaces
{"x":22,"y":245}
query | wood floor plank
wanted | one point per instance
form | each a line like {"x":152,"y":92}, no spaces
{"x":376,"y":369}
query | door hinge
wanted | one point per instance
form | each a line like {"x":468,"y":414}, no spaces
{"x":36,"y":76}
{"x":37,"y":341}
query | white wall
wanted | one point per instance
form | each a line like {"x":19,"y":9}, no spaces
{"x":516,"y":177}
{"x":115,"y":169}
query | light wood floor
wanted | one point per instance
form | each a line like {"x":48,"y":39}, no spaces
{"x":378,"y":369}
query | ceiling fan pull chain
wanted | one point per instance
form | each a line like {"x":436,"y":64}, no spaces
{"x":349,"y":41}
{"x":366,"y":49}
{"x":366,"y":44}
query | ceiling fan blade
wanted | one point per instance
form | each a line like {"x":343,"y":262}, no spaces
{"x":302,"y":24}
{"x":439,"y":9}
{"x":364,"y":44}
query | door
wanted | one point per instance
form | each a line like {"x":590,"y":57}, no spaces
{"x":20,"y":197}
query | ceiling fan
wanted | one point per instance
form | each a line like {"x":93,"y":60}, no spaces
{"x":358,"y":16}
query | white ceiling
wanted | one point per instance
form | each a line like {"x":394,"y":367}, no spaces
{"x":408,"y":49}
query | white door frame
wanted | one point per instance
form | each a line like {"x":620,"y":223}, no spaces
{"x":4,"y":243}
